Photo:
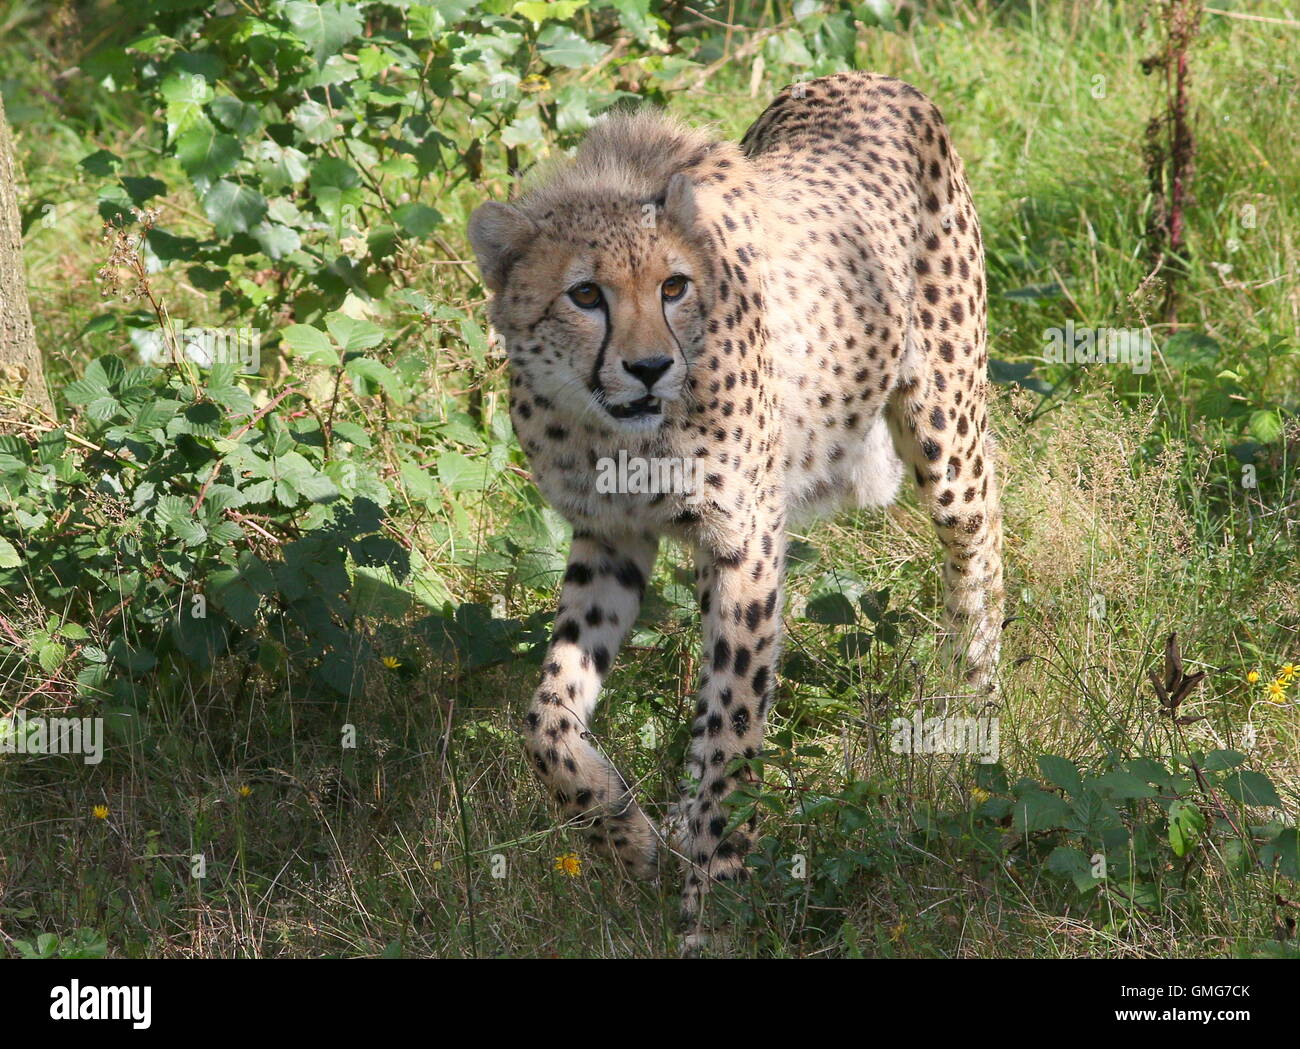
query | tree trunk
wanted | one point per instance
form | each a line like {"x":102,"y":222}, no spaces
{"x":20,"y":358}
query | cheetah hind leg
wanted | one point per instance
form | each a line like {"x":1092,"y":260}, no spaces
{"x":970,"y":635}
{"x":960,"y":492}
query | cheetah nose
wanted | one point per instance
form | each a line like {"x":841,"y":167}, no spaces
{"x":649,"y":370}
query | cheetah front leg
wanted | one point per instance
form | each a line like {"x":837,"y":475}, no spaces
{"x":740,"y":602}
{"x":599,"y":602}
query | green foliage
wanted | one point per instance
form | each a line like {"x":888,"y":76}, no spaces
{"x":225,"y":560}
{"x":78,"y":944}
{"x":314,"y":136}
{"x":1134,"y":839}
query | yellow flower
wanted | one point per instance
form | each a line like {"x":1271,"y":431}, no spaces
{"x":391,"y":662}
{"x":569,"y":863}
{"x":1276,"y":692}
{"x":437,"y":865}
{"x":245,"y":790}
{"x":979,"y":795}
{"x":1252,"y":677}
{"x":100,"y":812}
{"x":896,"y":932}
{"x":1288,"y":672}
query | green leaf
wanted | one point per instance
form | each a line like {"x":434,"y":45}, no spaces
{"x":276,"y":240}
{"x":1073,"y":864}
{"x":462,"y":474}
{"x":418,"y":220}
{"x":352,"y":433}
{"x":1219,"y":760}
{"x":1021,"y":373}
{"x":232,"y":593}
{"x":190,"y":532}
{"x":9,"y":556}
{"x":332,"y":173}
{"x":538,"y":11}
{"x":233,"y":208}
{"x":376,"y":593}
{"x":1121,"y":786}
{"x":561,"y":46}
{"x":417,"y":481}
{"x":325,"y":27}
{"x":236,"y":115}
{"x":1190,"y":350}
{"x":1061,"y":773}
{"x":1265,"y":426}
{"x":101,"y":163}
{"x":1038,"y":810}
{"x":1286,"y":846}
{"x":51,"y":655}
{"x":1186,"y":822}
{"x":206,"y":155}
{"x":371,"y":373}
{"x":141,"y":190}
{"x":1067,"y":861}
{"x":316,"y":123}
{"x":316,"y":488}
{"x":1252,"y":788}
{"x":102,"y":409}
{"x":336,"y":185}
{"x":352,"y":334}
{"x":1149,"y":771}
{"x":831,"y":608}
{"x":342,"y":672}
{"x":524,"y":132}
{"x":310,"y":344}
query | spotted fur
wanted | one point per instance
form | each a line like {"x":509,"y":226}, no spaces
{"x":831,"y":337}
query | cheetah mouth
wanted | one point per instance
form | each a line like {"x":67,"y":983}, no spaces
{"x":638,"y":409}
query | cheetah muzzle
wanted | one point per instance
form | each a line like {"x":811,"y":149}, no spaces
{"x":800,"y":318}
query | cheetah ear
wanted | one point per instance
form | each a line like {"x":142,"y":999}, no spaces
{"x":680,"y":207}
{"x":498,"y":234}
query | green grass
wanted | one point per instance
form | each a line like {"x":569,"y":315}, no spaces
{"x":1118,"y":491}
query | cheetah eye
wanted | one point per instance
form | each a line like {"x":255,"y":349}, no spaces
{"x":586,"y":295}
{"x":674,"y":287}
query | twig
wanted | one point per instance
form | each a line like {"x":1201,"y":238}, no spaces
{"x":244,"y":519}
{"x":743,"y":51}
{"x":216,"y":467}
{"x":1253,"y":18}
{"x":619,"y":46}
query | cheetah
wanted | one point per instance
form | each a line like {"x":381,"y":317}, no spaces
{"x":801,"y":315}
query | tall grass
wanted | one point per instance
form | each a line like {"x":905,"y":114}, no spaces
{"x":1124,"y":524}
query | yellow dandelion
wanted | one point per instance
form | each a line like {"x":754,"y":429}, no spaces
{"x":979,"y":795}
{"x":1276,"y":692}
{"x":569,"y":863}
{"x":437,"y":865}
{"x":1252,"y":677}
{"x":896,"y":932}
{"x":392,"y":662}
{"x":100,"y":812}
{"x":245,"y":790}
{"x":1288,"y":673}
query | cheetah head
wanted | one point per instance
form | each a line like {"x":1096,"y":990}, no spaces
{"x":597,"y":301}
